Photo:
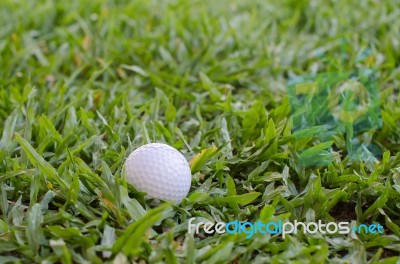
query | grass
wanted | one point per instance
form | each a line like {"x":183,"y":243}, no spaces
{"x":83,"y":83}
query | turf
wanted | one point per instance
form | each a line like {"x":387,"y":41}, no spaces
{"x":83,"y":83}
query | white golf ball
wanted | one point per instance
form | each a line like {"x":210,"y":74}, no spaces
{"x":159,"y":170}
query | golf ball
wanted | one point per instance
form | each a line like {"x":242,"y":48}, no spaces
{"x":159,"y":170}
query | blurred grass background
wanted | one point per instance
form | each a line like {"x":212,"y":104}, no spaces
{"x":83,"y":83}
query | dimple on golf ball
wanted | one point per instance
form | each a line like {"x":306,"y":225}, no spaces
{"x":159,"y":170}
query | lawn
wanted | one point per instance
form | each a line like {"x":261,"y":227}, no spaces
{"x":84,"y":83}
